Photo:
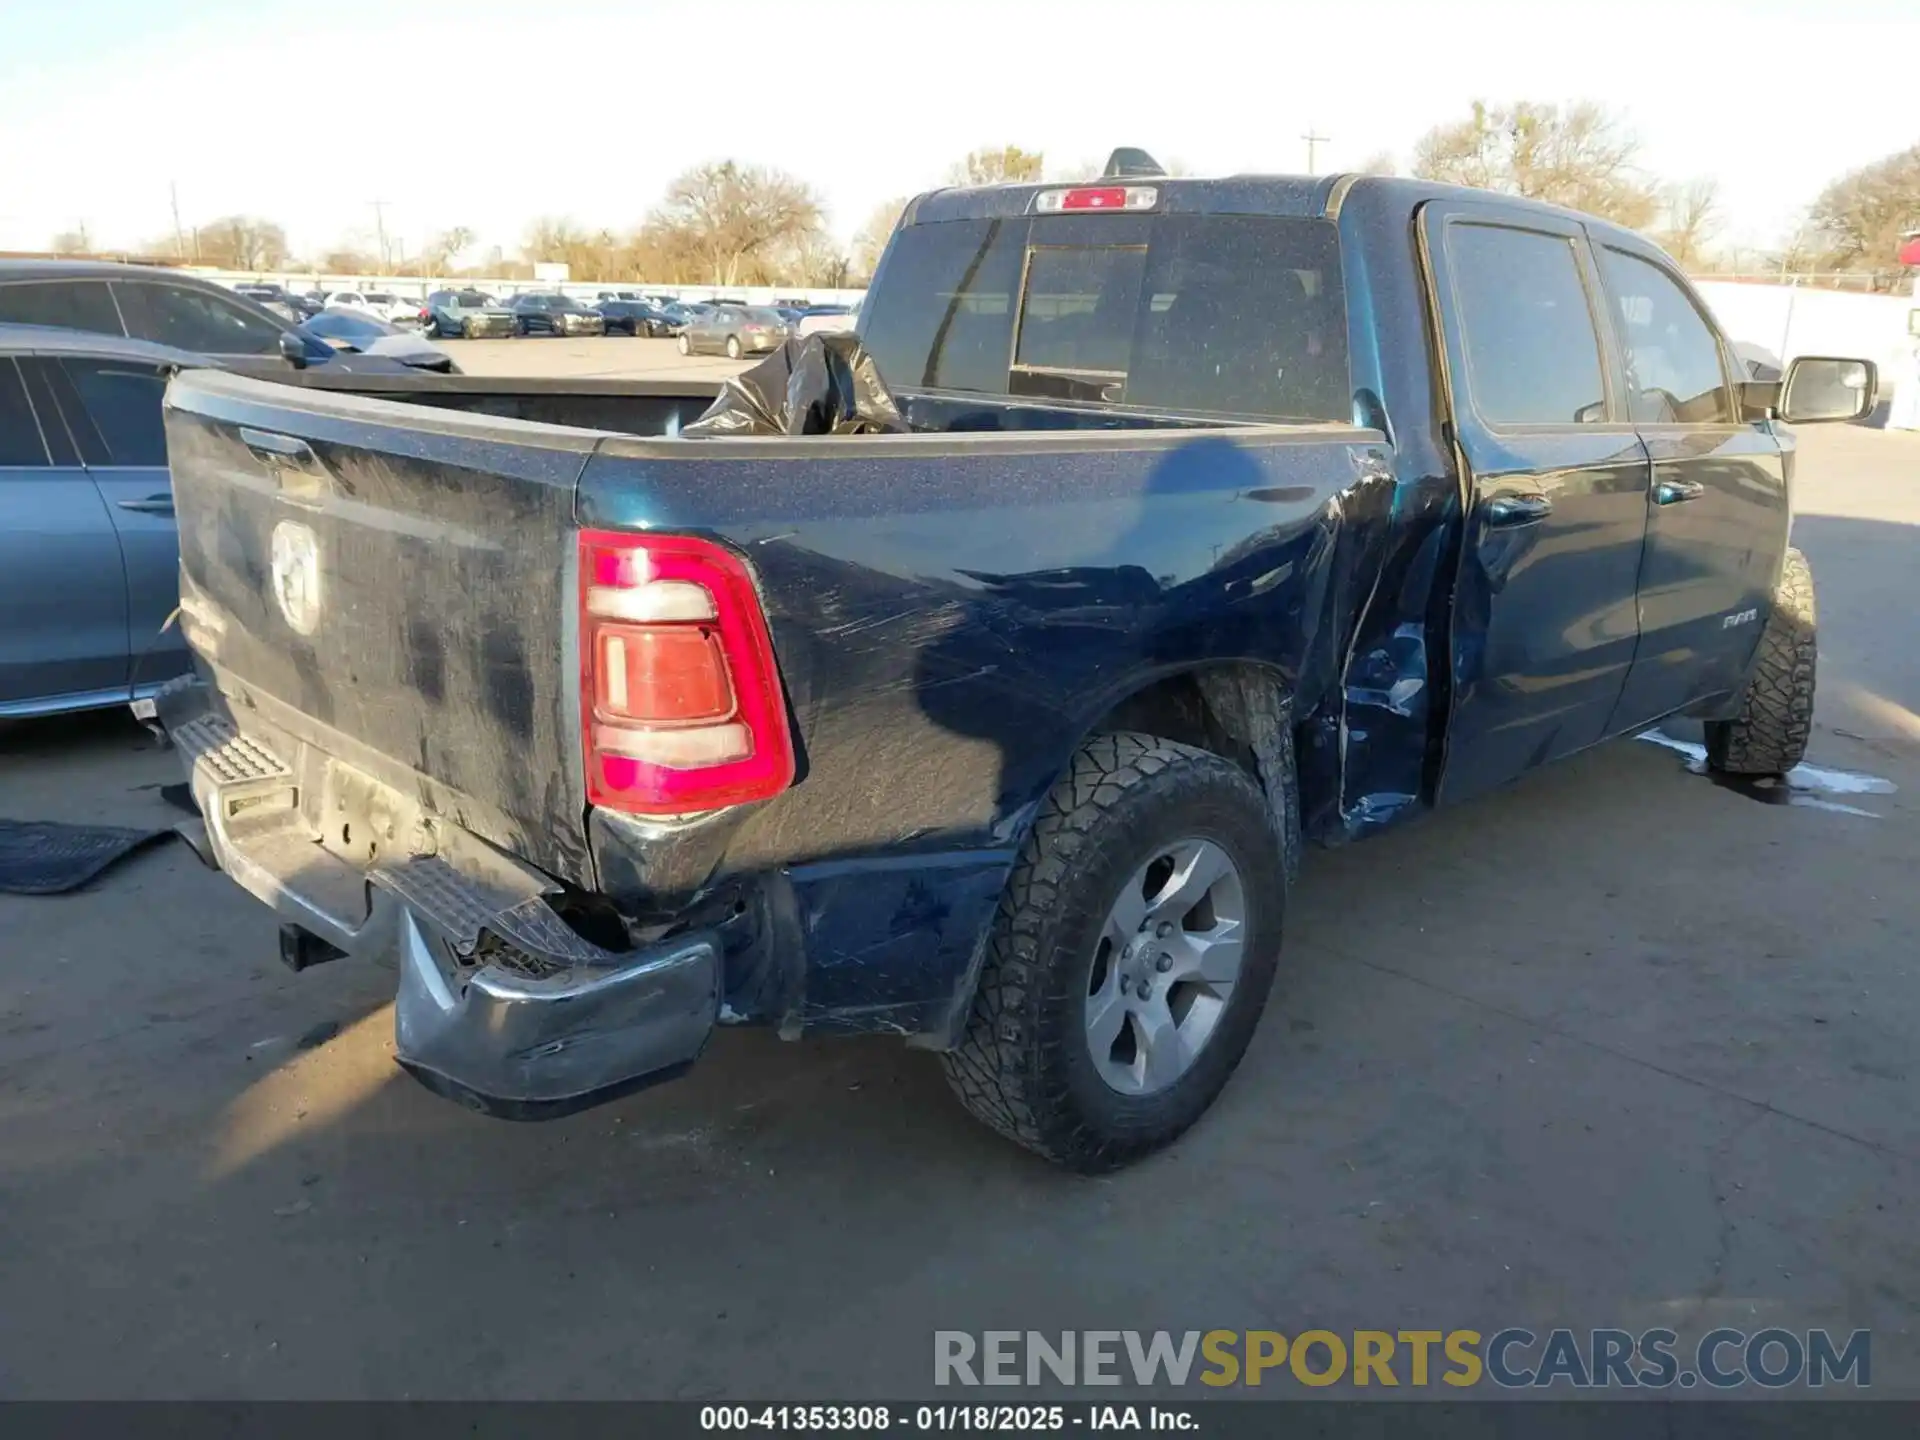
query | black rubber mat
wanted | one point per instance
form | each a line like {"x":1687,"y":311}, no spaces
{"x":41,"y":857}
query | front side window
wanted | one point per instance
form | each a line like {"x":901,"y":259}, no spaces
{"x":1674,"y":374}
{"x":71,"y":304}
{"x":190,"y":319}
{"x":114,"y":410}
{"x":1533,"y":355}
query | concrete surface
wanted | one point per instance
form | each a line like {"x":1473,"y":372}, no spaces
{"x":1613,"y":1047}
{"x":603,"y":356}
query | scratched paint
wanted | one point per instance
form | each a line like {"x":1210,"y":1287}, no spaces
{"x":1805,"y":785}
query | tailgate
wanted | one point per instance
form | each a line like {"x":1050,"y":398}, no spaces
{"x":392,"y":585}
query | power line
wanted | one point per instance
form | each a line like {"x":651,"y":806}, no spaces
{"x":1314,"y":141}
{"x":380,"y":229}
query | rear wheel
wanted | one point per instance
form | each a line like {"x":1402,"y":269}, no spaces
{"x":1770,"y":734}
{"x":1131,"y":955}
{"x":733,"y":347}
{"x":686,"y":345}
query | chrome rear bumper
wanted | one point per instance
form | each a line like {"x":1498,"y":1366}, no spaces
{"x":501,"y":1004}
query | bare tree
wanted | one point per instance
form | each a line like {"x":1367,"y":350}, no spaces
{"x":243,"y":242}
{"x":438,"y":255}
{"x":1579,"y":156}
{"x":873,"y":236}
{"x":77,"y":241}
{"x":349,"y":260}
{"x":1381,"y":162}
{"x":823,"y":262}
{"x":730,"y":214}
{"x":991,"y":166}
{"x":1691,"y":220}
{"x":587,"y":254}
{"x":1858,"y":220}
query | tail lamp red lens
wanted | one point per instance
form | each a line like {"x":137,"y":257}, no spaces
{"x":681,"y":708}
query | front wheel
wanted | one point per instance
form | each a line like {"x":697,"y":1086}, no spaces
{"x":1770,"y":734}
{"x":733,"y":347}
{"x":1131,"y":955}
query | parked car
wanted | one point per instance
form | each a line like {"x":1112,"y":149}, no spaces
{"x":468,"y":315}
{"x":184,"y":312}
{"x":826,"y":319}
{"x":736,"y":331}
{"x":281,"y":301}
{"x":381,"y":304}
{"x":634,"y":317}
{"x":355,"y":330}
{"x":543,"y":314}
{"x":89,"y":564}
{"x":1260,"y":510}
{"x":677,"y":316}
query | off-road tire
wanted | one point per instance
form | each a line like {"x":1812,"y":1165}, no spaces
{"x":1769,"y":736}
{"x":1023,"y":1064}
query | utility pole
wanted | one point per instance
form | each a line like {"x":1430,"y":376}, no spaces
{"x":179,"y":238}
{"x":380,"y":229}
{"x":1314,"y":141}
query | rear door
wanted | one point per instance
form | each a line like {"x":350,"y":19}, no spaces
{"x":1544,"y":622}
{"x":63,"y":592}
{"x":1717,"y":511}
{"x":113,"y":411}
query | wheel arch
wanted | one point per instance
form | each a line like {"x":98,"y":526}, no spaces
{"x":1239,"y":710}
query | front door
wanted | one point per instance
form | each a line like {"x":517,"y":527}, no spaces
{"x":1555,"y":483}
{"x":1717,"y":512}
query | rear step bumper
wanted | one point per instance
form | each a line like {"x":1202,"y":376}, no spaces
{"x":501,"y":1005}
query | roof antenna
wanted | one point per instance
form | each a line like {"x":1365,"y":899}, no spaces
{"x":1127,"y":163}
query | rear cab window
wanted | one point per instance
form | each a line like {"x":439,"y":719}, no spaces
{"x":1238,"y":316}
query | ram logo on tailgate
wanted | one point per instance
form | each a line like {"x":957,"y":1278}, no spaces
{"x":296,"y":575}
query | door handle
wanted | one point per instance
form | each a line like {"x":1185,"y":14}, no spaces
{"x":152,"y":505}
{"x":270,"y":447}
{"x":1509,"y":510}
{"x":1675,"y":492}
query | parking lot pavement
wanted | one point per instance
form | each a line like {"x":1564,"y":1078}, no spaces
{"x":604,"y":356}
{"x":1613,"y":1047}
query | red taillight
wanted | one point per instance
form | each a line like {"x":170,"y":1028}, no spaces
{"x":680,"y":697}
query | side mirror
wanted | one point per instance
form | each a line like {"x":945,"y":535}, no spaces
{"x":1819,"y":387}
{"x":293,"y":349}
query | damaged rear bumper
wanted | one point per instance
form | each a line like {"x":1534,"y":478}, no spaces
{"x":501,"y":1004}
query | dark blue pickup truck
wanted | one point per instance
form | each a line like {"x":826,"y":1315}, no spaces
{"x":1231,"y":514}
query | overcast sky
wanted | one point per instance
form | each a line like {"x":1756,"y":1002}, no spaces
{"x":485,"y":114}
